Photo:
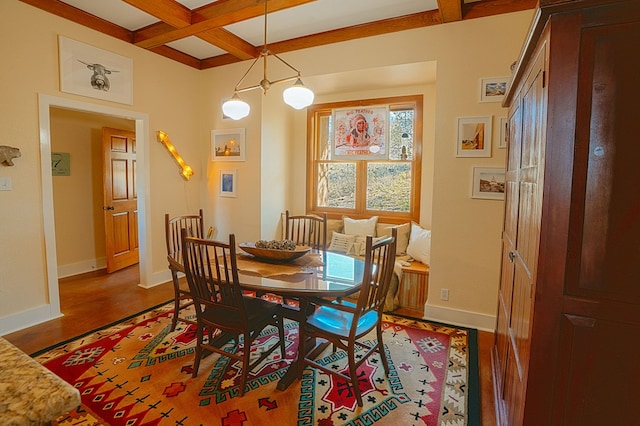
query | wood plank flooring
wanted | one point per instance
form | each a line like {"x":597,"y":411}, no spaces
{"x":93,"y":300}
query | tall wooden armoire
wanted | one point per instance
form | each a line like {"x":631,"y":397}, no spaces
{"x":567,"y":349}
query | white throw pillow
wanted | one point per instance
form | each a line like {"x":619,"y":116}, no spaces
{"x":404,"y":231}
{"x":341,"y":242}
{"x":360,"y":226}
{"x":420,"y":244}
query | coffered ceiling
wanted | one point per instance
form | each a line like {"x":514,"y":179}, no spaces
{"x":205,"y":34}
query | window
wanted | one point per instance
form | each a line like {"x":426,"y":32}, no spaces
{"x":364,"y":158}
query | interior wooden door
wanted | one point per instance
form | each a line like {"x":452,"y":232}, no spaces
{"x":120,"y":202}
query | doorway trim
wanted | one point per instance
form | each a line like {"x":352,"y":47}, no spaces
{"x":45,"y":102}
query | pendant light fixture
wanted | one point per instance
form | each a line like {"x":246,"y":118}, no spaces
{"x":297,"y":96}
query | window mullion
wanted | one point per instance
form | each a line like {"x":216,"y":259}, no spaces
{"x":361,"y":186}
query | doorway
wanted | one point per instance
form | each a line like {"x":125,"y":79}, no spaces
{"x":83,"y":241}
{"x":46,"y":102}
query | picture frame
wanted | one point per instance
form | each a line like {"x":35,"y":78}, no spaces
{"x":361,"y":133}
{"x":488,"y":183}
{"x":60,"y":164}
{"x":228,"y":183}
{"x":504,"y":132}
{"x":493,"y":89}
{"x":228,"y":145}
{"x":474,"y":137}
{"x":89,"y":71}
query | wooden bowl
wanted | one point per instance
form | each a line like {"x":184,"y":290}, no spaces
{"x":273,"y":254}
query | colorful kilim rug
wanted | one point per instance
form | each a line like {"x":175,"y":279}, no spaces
{"x":138,"y":372}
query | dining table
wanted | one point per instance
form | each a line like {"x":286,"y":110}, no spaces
{"x":317,"y":274}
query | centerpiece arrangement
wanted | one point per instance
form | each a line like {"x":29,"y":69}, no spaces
{"x":275,"y":250}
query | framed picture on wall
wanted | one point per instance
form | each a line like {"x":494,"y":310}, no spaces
{"x":504,"y":132}
{"x":488,"y":183}
{"x":228,"y":183}
{"x":227,"y":145}
{"x":493,"y":89}
{"x":474,"y":137}
{"x":88,"y":71}
{"x":361,"y":133}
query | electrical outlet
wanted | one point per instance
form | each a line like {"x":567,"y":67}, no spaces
{"x":444,"y":294}
{"x":5,"y":183}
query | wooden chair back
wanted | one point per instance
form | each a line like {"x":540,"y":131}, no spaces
{"x":194,"y":224}
{"x":212,"y":274}
{"x":173,"y":226}
{"x":344,"y":325}
{"x":308,"y":230}
{"x":380,"y":257}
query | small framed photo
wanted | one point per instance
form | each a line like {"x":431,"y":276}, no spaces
{"x":488,"y":183}
{"x":227,"y":145}
{"x":228,"y":183}
{"x":88,"y":71}
{"x":493,"y":89}
{"x":474,"y":137}
{"x":504,"y":132}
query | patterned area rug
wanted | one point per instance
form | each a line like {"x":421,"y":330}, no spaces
{"x":138,"y":372}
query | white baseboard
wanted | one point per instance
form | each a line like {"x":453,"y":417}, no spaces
{"x":81,"y":267}
{"x":158,"y":278}
{"x":24,"y":319}
{"x":460,"y":318}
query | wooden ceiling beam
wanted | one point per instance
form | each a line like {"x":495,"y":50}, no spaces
{"x":214,"y":15}
{"x":450,"y":10}
{"x":485,"y":8}
{"x":233,"y":44}
{"x":207,"y":21}
{"x":169,"y":11}
{"x":385,"y":26}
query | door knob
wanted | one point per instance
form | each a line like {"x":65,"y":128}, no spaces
{"x":512,"y":256}
{"x":108,"y":208}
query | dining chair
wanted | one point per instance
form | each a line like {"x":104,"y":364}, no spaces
{"x":194,"y":224}
{"x":308,"y":230}
{"x":212,"y":274}
{"x":344,"y":324}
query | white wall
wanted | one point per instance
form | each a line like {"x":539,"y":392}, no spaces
{"x":185,"y":103}
{"x":165,"y":90}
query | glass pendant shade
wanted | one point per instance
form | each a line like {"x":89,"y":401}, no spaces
{"x":298,"y":96}
{"x":236,"y":108}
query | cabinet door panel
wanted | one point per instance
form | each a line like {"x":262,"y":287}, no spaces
{"x":600,"y":388}
{"x":608,"y":158}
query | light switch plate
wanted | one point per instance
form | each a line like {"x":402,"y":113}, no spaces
{"x":5,"y":183}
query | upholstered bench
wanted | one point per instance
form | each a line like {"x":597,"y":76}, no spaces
{"x":409,"y":286}
{"x":29,"y":393}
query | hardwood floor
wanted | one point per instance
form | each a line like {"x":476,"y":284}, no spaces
{"x":93,"y":300}
{"x":90,"y":301}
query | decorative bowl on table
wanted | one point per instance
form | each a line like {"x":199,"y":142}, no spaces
{"x":264,"y":251}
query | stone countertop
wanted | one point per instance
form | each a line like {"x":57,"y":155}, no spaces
{"x":30,"y":394}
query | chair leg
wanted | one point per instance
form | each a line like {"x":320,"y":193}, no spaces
{"x":245,"y":362}
{"x":196,"y":362}
{"x":380,"y":344}
{"x":353,"y":373}
{"x":283,"y":349}
{"x":301,"y":353}
{"x":176,"y":300}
